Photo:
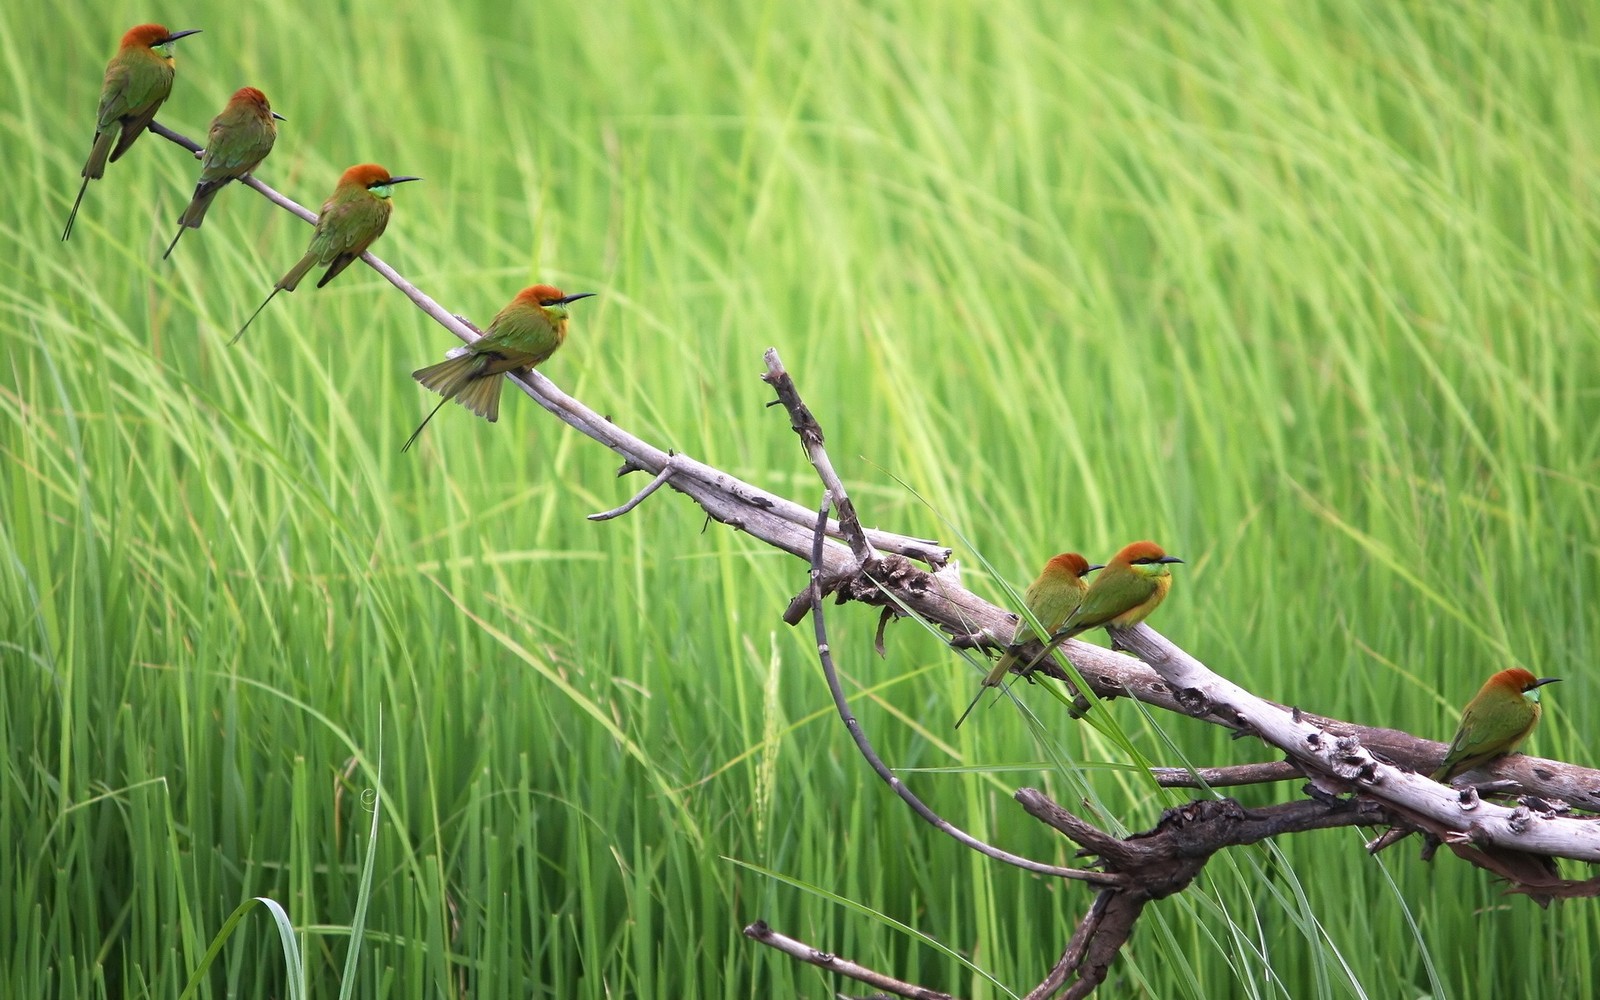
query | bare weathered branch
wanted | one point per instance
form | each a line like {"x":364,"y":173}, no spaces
{"x":1356,"y":774}
{"x":864,"y":745}
{"x":1342,"y":762}
{"x":1227,"y":777}
{"x":1157,"y":863}
{"x":805,"y":425}
{"x":759,"y":931}
{"x":637,"y":499}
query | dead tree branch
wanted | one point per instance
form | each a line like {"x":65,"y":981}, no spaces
{"x":759,"y":931}
{"x":864,"y":745}
{"x":775,"y":520}
{"x":1340,"y":764}
{"x":1356,"y":774}
{"x":1162,"y":862}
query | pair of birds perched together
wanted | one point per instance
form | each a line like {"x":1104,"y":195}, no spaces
{"x":1129,"y":587}
{"x":1495,"y":722}
{"x":139,"y":80}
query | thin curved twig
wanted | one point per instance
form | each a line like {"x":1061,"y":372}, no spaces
{"x":638,"y":498}
{"x":864,"y":745}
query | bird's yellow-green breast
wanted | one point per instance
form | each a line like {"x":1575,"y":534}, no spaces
{"x":1495,"y":722}
{"x":1131,"y":586}
{"x":522,"y":335}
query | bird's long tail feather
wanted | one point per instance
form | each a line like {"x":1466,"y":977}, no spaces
{"x":482,"y":396}
{"x":972,"y":705}
{"x":96,"y":167}
{"x":195,"y":213}
{"x":462,"y":379}
{"x":252,"y":319}
{"x":289,"y":281}
{"x":418,"y":432}
{"x":449,"y":376}
{"x":995,"y":677}
{"x":204,"y":194}
{"x":73,"y":215}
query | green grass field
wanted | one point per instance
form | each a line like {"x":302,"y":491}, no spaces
{"x":1307,"y":292}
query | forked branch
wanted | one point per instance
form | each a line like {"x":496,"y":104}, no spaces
{"x":1356,"y":774}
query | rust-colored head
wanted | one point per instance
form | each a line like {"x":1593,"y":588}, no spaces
{"x":547,"y":296}
{"x":372,"y":177}
{"x":1520,"y":681}
{"x":144,"y":36}
{"x":251,"y":96}
{"x":149,"y":36}
{"x":364,"y":175}
{"x":1142,"y":554}
{"x":1071,"y":562}
{"x":255,"y":101}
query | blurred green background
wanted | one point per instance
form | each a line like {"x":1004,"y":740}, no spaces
{"x":1304,"y":291}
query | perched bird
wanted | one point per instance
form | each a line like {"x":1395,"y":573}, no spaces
{"x":1498,"y":718}
{"x":1050,"y":599}
{"x":352,"y":217}
{"x":523,"y":334}
{"x":1130,"y":586}
{"x":138,"y":80}
{"x":241,"y":137}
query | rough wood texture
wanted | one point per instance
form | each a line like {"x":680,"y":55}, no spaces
{"x":1355,"y":774}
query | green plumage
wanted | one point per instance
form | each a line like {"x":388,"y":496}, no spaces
{"x":347,"y":225}
{"x":1050,"y":598}
{"x":1133,"y":583}
{"x":353,"y":216}
{"x":138,"y":81}
{"x":240,"y":138}
{"x":522,"y":335}
{"x":1495,"y":722}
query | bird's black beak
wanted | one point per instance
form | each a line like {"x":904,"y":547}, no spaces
{"x":401,"y":180}
{"x":279,"y":117}
{"x":573,"y":298}
{"x":180,"y":34}
{"x":1169,"y":559}
{"x":1541,"y":682}
{"x":1096,"y":566}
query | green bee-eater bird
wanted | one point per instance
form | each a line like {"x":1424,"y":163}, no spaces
{"x":1497,"y":719}
{"x":1132,"y":584}
{"x":352,"y":217}
{"x":138,"y":80}
{"x":1050,"y":599}
{"x":523,"y":334}
{"x":240,"y":138}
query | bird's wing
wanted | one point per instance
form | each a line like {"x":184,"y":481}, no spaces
{"x":234,"y":149}
{"x":1099,"y":606}
{"x":344,"y":231}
